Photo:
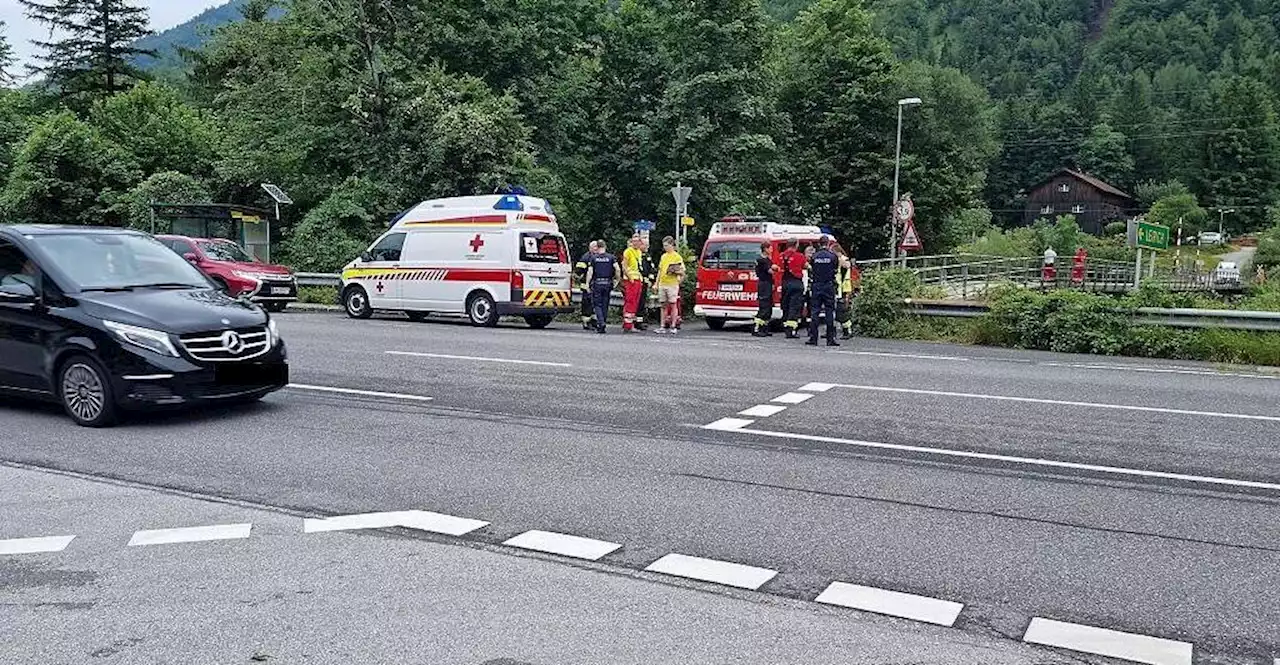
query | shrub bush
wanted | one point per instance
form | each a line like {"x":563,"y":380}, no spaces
{"x":878,"y":308}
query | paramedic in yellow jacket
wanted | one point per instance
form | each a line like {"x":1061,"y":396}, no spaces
{"x":846,"y":287}
{"x":632,"y":283}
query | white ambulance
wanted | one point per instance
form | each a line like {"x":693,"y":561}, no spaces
{"x":482,"y":256}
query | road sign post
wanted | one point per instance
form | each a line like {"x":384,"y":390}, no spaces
{"x":1149,"y":236}
{"x":681,"y":195}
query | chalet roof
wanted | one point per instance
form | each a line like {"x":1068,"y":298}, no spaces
{"x":1084,"y":177}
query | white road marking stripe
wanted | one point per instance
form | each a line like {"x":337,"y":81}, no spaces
{"x":446,"y":356}
{"x":792,"y":398}
{"x":363,"y":393}
{"x":422,"y":520}
{"x":817,"y":387}
{"x":762,"y":410}
{"x":563,"y":544}
{"x":1105,"y":642}
{"x":1058,"y":402}
{"x":190,"y":534}
{"x":35,"y":545}
{"x":892,"y":603}
{"x":916,"y":356}
{"x":991,"y":457}
{"x":1163,"y":370}
{"x":712,"y":570}
{"x":728,"y":424}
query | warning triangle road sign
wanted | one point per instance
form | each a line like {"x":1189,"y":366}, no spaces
{"x":910,"y":239}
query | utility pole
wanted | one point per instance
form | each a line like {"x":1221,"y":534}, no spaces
{"x":897,"y":174}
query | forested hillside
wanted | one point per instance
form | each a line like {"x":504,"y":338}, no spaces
{"x":1131,"y":90}
{"x":362,"y":107}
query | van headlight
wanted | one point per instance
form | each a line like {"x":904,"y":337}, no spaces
{"x":154,"y":341}
{"x":273,"y":334}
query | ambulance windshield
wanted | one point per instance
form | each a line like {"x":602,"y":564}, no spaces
{"x":731,"y":254}
{"x":537,"y":247}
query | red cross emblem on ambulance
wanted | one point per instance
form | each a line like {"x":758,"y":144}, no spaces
{"x":476,"y":243}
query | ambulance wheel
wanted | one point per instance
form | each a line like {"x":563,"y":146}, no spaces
{"x":356,"y":302}
{"x":539,"y":321}
{"x":715,"y":322}
{"x":417,"y":317}
{"x":481,"y":310}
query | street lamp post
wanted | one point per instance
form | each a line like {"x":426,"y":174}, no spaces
{"x":897,"y":173}
{"x":1222,"y":216}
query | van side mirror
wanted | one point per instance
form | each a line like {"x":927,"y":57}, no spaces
{"x":17,"y":293}
{"x":365,"y":257}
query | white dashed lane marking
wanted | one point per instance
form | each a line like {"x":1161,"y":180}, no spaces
{"x":190,"y":534}
{"x":817,"y":387}
{"x":1106,"y":642}
{"x":792,"y":398}
{"x":1057,"y":402}
{"x":482,"y":359}
{"x":892,"y":603}
{"x":728,"y":424}
{"x":422,"y":520}
{"x":712,"y":570}
{"x":563,"y":544}
{"x":762,"y":410}
{"x":361,"y":393}
{"x":35,"y":545}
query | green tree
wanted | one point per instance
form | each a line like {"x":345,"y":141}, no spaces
{"x":67,"y":173}
{"x":134,"y":207}
{"x":838,"y":89}
{"x":1150,"y":191}
{"x":1241,"y":167}
{"x":159,"y":129}
{"x":90,"y":51}
{"x":1175,"y":209}
{"x":1105,"y":154}
{"x":340,"y":227}
{"x":6,"y":59}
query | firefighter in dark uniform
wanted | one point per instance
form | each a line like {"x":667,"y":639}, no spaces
{"x":602,"y":274}
{"x":580,"y":278}
{"x":825,"y":267}
{"x":649,"y":276}
{"x":765,"y":269}
{"x":793,"y":264}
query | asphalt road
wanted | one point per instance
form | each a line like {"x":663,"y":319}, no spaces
{"x":1135,"y":496}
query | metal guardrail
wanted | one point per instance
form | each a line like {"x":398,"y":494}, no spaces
{"x":1226,"y":319}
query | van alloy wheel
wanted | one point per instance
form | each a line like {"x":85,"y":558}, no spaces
{"x":356,"y":302}
{"x":83,"y":393}
{"x":482,"y":311}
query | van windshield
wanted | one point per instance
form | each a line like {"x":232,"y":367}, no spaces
{"x":736,"y":254}
{"x":541,"y":247}
{"x":124,"y":261}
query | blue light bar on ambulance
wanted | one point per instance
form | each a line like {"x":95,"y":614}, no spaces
{"x":509,"y":202}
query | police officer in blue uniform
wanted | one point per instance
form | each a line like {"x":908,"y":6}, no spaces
{"x":602,"y":276}
{"x":824,"y":267}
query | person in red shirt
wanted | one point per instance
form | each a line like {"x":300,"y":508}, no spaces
{"x":793,"y":264}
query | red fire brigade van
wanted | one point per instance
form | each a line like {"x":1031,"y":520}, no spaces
{"x":727,"y":269}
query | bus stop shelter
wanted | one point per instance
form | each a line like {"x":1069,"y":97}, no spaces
{"x":244,"y":225}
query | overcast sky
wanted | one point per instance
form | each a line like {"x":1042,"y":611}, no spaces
{"x":20,"y":30}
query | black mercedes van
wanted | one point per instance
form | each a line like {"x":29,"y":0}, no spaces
{"x":104,"y":320}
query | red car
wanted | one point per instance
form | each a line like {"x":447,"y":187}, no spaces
{"x":236,"y":272}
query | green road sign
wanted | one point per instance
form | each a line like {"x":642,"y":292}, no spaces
{"x":1153,"y":236}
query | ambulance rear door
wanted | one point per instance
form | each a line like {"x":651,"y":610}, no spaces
{"x":543,"y":263}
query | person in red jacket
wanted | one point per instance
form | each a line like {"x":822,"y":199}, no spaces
{"x":793,"y":264}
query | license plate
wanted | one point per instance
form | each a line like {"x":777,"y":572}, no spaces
{"x":730,"y":287}
{"x":549,"y":281}
{"x":252,"y":374}
{"x":280,"y":290}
